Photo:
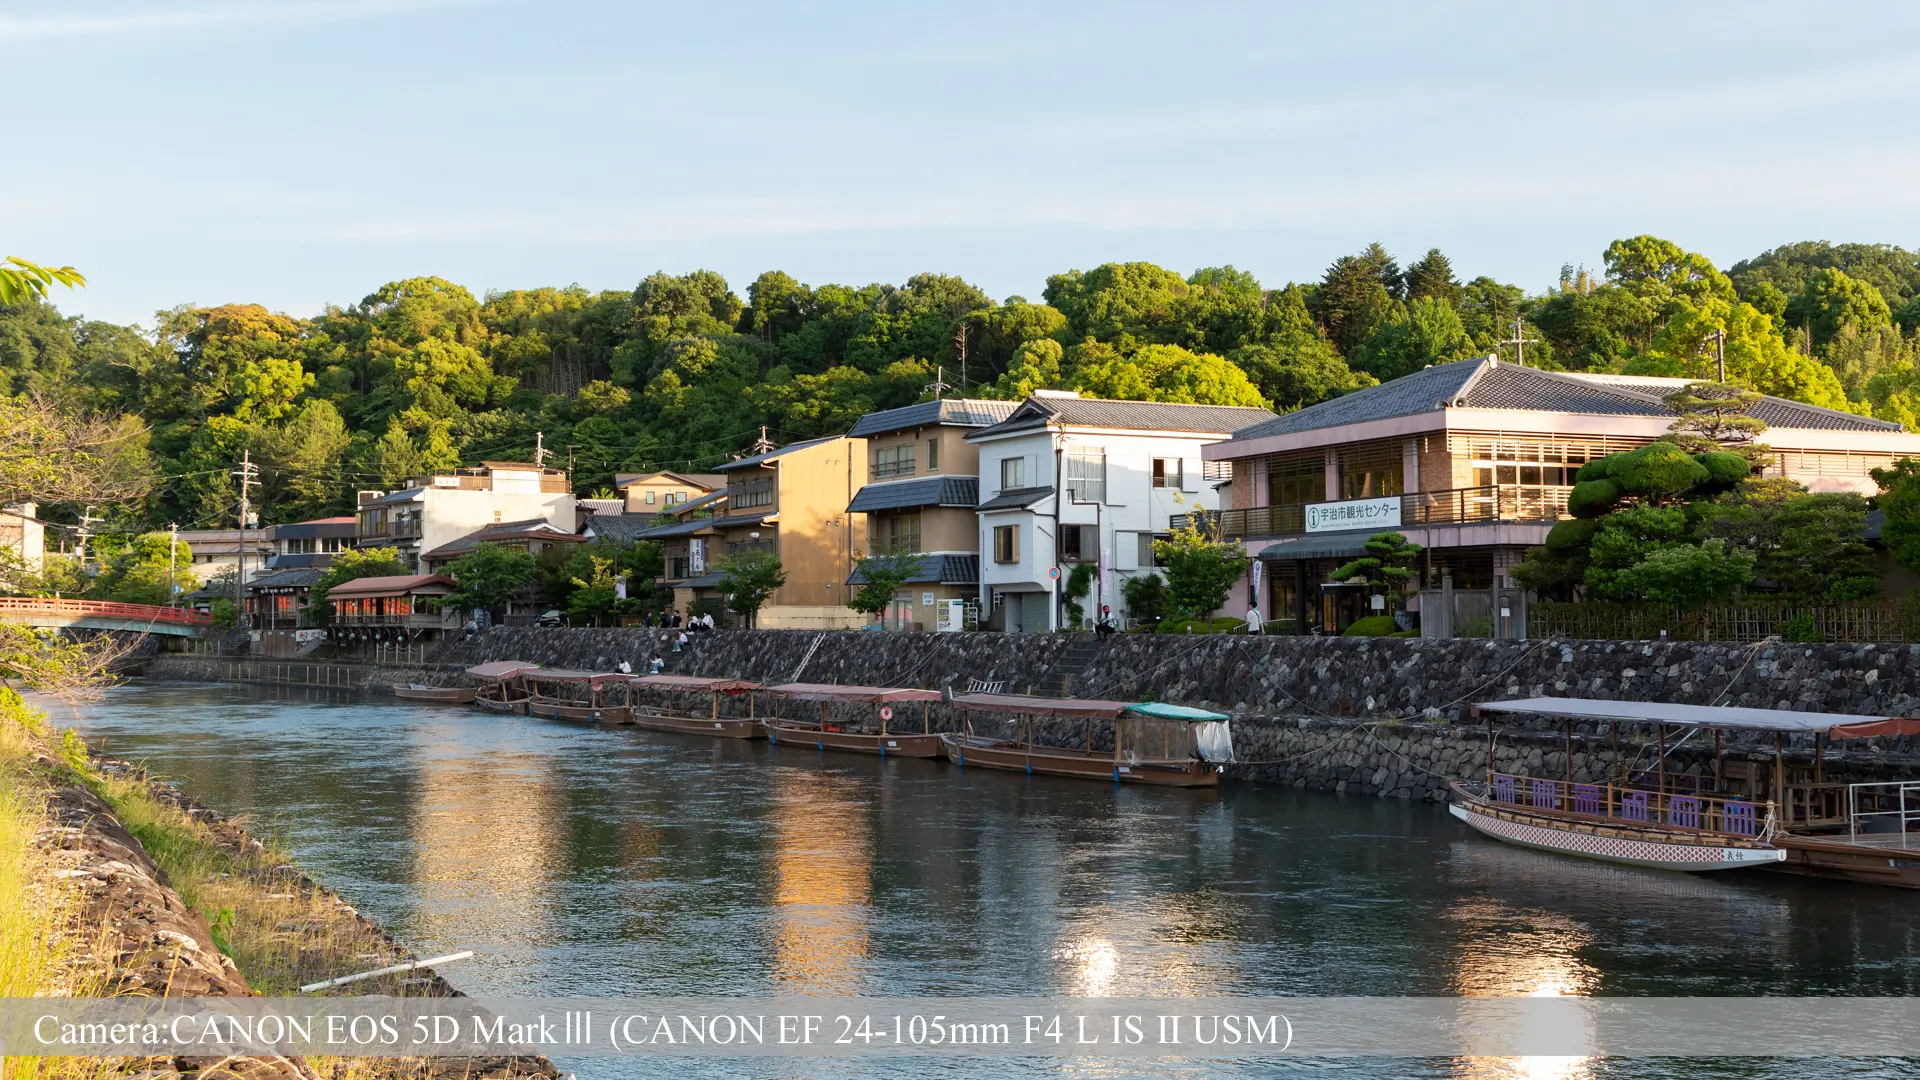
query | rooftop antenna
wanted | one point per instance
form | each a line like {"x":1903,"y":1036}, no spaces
{"x":1519,"y":341}
{"x":938,"y":387}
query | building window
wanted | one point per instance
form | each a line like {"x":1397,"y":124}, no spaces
{"x":933,"y":455}
{"x":1147,"y":556}
{"x":893,"y":461}
{"x":332,"y":545}
{"x":750,"y":493}
{"x":1079,"y":543}
{"x":1166,"y":473}
{"x":1087,"y":475}
{"x":496,"y":517}
{"x":1006,"y":541}
{"x":1294,"y":479}
{"x":899,"y":534}
{"x":649,"y":498}
{"x":675,"y":498}
{"x":1013,"y":473}
{"x":1371,"y":470}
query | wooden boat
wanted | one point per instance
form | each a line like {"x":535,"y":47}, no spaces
{"x":1166,"y":745}
{"x":445,"y":695}
{"x":673,"y":706}
{"x":563,"y":694}
{"x":1746,"y":813}
{"x":875,"y":733}
{"x":498,"y":686}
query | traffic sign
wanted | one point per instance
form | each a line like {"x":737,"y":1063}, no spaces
{"x":1053,"y":573}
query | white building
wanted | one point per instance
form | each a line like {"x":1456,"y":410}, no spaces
{"x":1067,"y":480}
{"x":435,"y":511}
{"x":23,"y":536}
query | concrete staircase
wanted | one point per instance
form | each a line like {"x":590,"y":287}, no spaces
{"x":1059,"y":679}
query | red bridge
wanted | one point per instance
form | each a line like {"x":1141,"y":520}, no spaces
{"x":102,"y":615}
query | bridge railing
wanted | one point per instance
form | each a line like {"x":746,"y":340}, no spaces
{"x":17,"y":607}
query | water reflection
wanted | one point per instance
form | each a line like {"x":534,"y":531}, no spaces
{"x":819,"y":843}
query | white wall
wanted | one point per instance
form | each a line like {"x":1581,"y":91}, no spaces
{"x":451,"y":513}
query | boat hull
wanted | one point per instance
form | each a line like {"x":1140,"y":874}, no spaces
{"x":1048,"y":761}
{"x":559,"y":710}
{"x":725,"y":727}
{"x":1605,"y":845}
{"x":516,"y":706}
{"x":446,"y":695}
{"x":892,"y":744}
{"x":1837,"y":860}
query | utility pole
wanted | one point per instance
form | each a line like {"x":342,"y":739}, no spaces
{"x":1519,"y":341}
{"x":539,"y":449}
{"x":246,"y":472}
{"x":173,"y":541}
{"x":1720,"y":354}
{"x":764,"y":445}
{"x":81,"y":534}
{"x":938,"y":387}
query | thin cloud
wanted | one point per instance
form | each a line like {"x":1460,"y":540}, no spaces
{"x":19,"y":28}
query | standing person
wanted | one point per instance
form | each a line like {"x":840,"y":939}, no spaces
{"x":1255,"y":624}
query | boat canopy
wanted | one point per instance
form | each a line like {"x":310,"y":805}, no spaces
{"x":501,"y":669}
{"x":877,"y":695}
{"x":1041,"y":706}
{"x":1725,"y":717}
{"x":694,"y":682}
{"x":1174,"y":712}
{"x":564,"y":675}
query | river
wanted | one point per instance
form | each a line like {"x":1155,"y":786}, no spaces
{"x":584,"y":861}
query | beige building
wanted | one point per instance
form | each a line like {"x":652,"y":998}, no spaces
{"x":792,"y":502}
{"x":434,"y":511}
{"x":658,"y":492}
{"x":923,"y":484}
{"x":23,"y":537}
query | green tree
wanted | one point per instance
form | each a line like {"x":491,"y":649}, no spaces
{"x":748,"y":579}
{"x":1809,"y":548}
{"x":882,"y":574}
{"x":349,"y":565}
{"x":1296,"y":365}
{"x":1200,"y":570}
{"x":1166,"y":373}
{"x":1035,"y":366}
{"x":1686,"y":348}
{"x":21,"y":280}
{"x":1900,"y":501}
{"x":1427,"y":331}
{"x":1147,"y":597}
{"x":1357,"y":295}
{"x":1685,"y":575}
{"x":1717,"y":416}
{"x":488,"y":578}
{"x":1387,"y":565}
{"x":1831,"y":300}
{"x":594,"y":595}
{"x":140,"y":573}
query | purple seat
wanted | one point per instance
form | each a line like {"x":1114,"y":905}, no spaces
{"x":1633,"y":806}
{"x":1739,"y":817}
{"x":1684,"y":811}
{"x":1546,"y":794}
{"x":1586,"y":799}
{"x":1504,"y":790}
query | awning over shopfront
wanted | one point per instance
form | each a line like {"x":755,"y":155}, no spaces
{"x":1340,"y":545}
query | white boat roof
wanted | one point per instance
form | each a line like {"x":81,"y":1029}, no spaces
{"x":1726,"y":717}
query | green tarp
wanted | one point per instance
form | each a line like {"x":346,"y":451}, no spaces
{"x":1173,"y":712}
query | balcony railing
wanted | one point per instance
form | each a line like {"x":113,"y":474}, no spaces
{"x":1453,"y":506}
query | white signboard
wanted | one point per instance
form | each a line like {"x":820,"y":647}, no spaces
{"x":697,"y":556}
{"x":1354,"y":514}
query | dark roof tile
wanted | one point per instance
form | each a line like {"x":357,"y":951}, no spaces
{"x":927,"y":491}
{"x":954,"y":412}
{"x":1038,"y":412}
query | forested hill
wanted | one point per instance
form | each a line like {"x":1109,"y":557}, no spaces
{"x":682,"y":371}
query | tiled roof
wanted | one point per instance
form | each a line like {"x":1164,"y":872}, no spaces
{"x":1038,"y":412}
{"x":303,"y":577}
{"x":936,"y":570}
{"x":1485,"y":383}
{"x":954,"y":412}
{"x":333,"y":526}
{"x":709,"y":580}
{"x":619,"y":528}
{"x":1016,"y":498}
{"x":602,"y":506}
{"x":395,"y":585}
{"x":678,"y":528}
{"x":531,"y":528}
{"x":747,"y":462}
{"x":706,"y":480}
{"x":709,"y":499}
{"x":928,"y":491}
{"x":392,"y":497}
{"x":1419,"y":392}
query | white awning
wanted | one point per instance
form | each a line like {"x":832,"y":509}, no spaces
{"x":1726,"y":717}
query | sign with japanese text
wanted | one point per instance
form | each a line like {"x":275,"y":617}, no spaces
{"x":1354,"y":514}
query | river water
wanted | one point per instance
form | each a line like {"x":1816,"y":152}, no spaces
{"x":584,"y":861}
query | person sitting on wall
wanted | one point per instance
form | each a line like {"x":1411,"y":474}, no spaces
{"x":1104,"y":628}
{"x":625,"y":668}
{"x":656,"y":665}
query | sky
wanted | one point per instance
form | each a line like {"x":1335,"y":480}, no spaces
{"x":303,"y":153}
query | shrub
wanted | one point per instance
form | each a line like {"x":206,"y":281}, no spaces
{"x":1372,"y":626}
{"x":1592,"y":498}
{"x":1724,"y":470}
{"x":1800,"y":628}
{"x":1657,"y":471}
{"x":1572,"y":534}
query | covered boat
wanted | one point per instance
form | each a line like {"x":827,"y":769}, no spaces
{"x":695,"y":705}
{"x":869,"y":730}
{"x":1153,"y":743}
{"x":1776,"y":814}
{"x":445,"y":695}
{"x":498,"y":686}
{"x":563,"y":694}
